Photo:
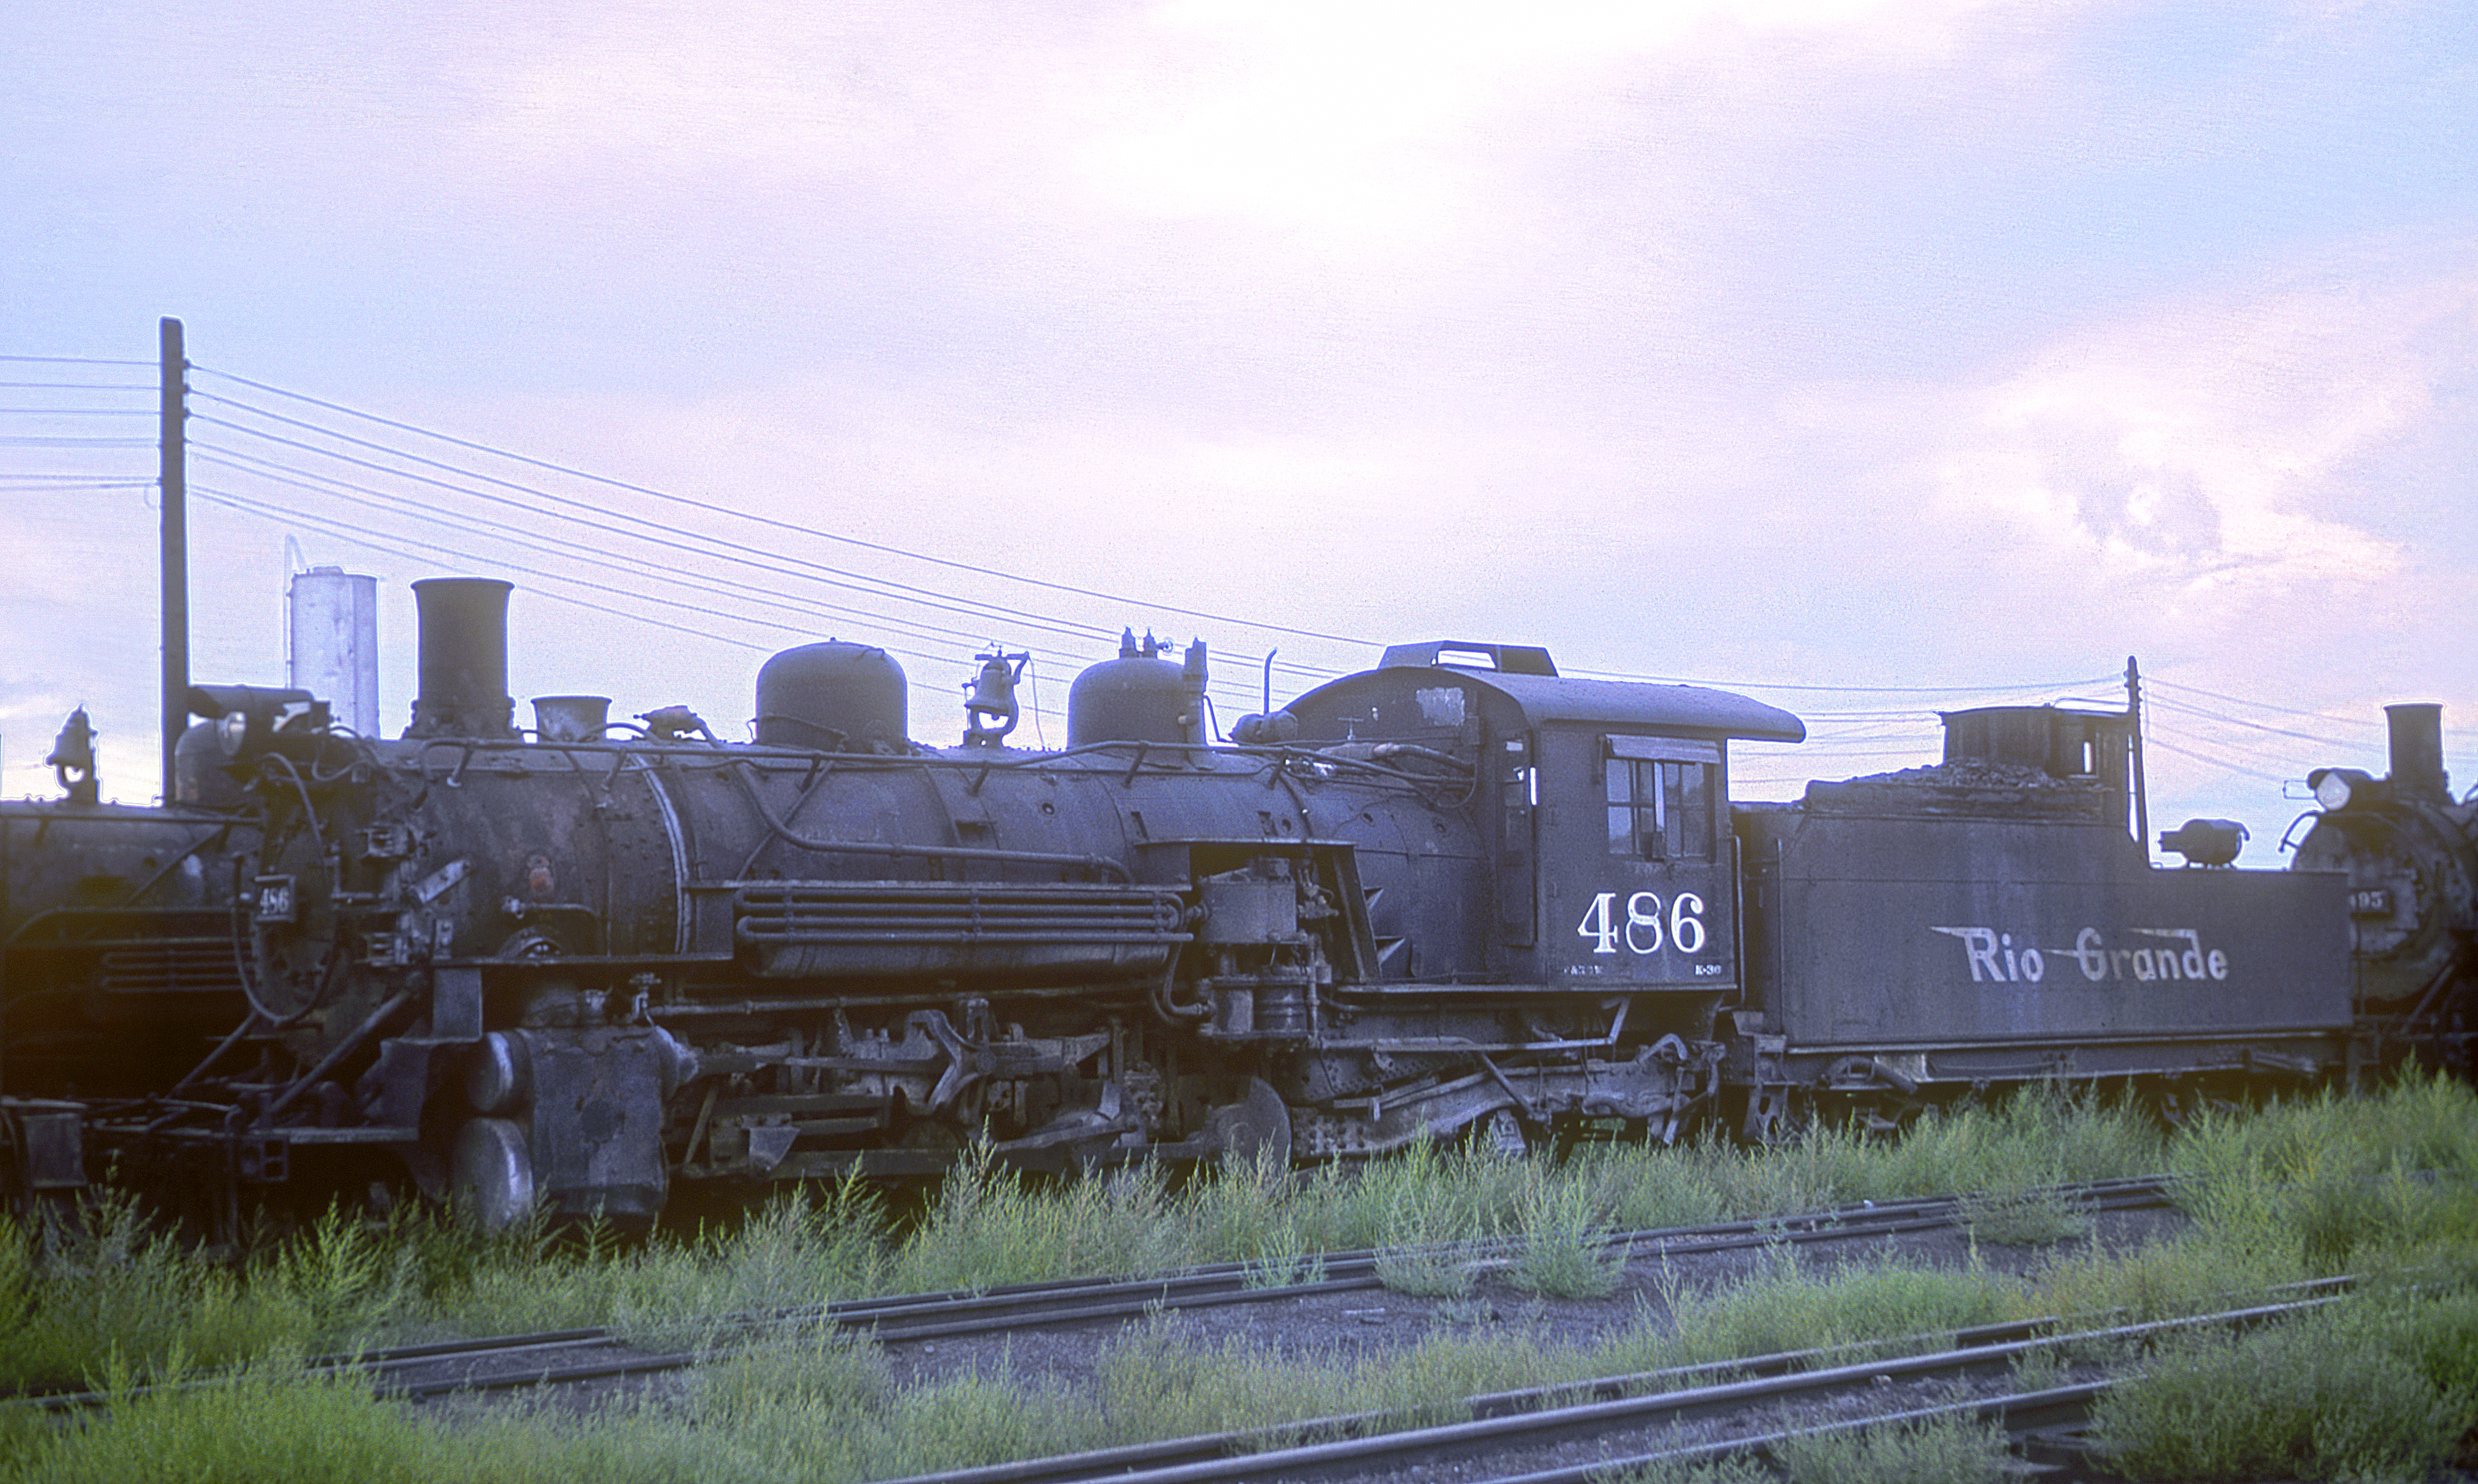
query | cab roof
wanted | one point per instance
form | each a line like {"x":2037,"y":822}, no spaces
{"x":1525,"y":679}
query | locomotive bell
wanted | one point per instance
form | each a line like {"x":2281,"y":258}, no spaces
{"x":993,"y":696}
{"x":73,"y":758}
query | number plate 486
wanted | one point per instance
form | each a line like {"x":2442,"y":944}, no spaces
{"x":1643,"y":925}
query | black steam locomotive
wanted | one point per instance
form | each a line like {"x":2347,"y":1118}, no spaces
{"x":579,"y":969}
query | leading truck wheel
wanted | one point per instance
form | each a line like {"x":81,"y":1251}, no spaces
{"x":490,"y":1174}
{"x":1253,"y":1131}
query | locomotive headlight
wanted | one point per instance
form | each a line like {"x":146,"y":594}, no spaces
{"x":250,"y":718}
{"x":2336,"y":788}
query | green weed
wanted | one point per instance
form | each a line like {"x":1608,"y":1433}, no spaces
{"x":1162,"y":1379}
{"x":111,"y":1285}
{"x":1944,"y":1450}
{"x":2019,"y":1216}
{"x":990,"y":1227}
{"x":1889,"y":1307}
{"x":1565,"y":1251}
{"x":1719,"y":1470}
{"x":2381,"y":1387}
{"x":799,"y":1250}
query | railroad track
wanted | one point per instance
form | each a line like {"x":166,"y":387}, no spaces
{"x":574,"y":1356}
{"x":1631,"y":1421}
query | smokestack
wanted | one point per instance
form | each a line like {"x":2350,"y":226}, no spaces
{"x":2418,"y":748}
{"x":463,"y":659}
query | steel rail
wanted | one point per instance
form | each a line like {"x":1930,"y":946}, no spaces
{"x":1362,"y":1442}
{"x":2023,"y":1415}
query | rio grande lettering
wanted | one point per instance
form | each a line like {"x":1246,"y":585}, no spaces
{"x":1992,"y":956}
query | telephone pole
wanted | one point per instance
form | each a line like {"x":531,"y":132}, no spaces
{"x":2134,"y":714}
{"x":174,"y":478}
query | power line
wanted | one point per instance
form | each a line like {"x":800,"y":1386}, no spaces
{"x":87,"y":478}
{"x":2219,"y":763}
{"x":1767,"y":685}
{"x":665,"y":535}
{"x":77,"y":411}
{"x":670,"y":536}
{"x":712,"y":586}
{"x":2163,"y":703}
{"x":361,"y":536}
{"x":75,"y":386}
{"x":787,"y":526}
{"x":675,"y":541}
{"x":335,"y":488}
{"x":76,"y":361}
{"x":364,"y":537}
{"x":677,"y":537}
{"x":661,"y":534}
{"x":2235,"y":700}
{"x":710,"y":508}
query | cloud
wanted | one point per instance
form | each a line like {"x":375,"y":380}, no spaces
{"x":2212,"y":449}
{"x":1833,"y":343}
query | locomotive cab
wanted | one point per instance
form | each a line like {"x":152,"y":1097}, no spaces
{"x":1601,"y":803}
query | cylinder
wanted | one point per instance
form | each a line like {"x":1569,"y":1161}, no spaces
{"x":833,"y":696}
{"x":334,"y":649}
{"x":2418,"y":748}
{"x":463,"y":659}
{"x":499,"y":1073}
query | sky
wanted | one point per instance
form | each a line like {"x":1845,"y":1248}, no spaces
{"x":1869,"y":357}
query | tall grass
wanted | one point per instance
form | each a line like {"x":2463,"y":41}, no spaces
{"x":1942,"y":1451}
{"x":819,"y":1404}
{"x":2309,"y":1187}
{"x":989,"y":1227}
{"x":2340,"y":1182}
{"x":2385,"y":1387}
{"x":1890,"y":1305}
{"x":116,"y":1289}
{"x":2379,"y":1389}
{"x":120,"y":1287}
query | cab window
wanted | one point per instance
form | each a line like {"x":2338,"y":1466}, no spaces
{"x":1660,"y":796}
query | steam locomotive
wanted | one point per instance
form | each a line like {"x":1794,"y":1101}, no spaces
{"x":584,"y":968}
